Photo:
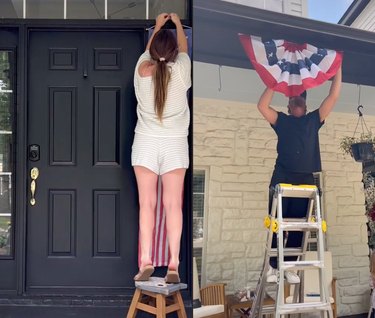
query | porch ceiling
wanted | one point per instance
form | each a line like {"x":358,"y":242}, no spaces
{"x":217,"y":23}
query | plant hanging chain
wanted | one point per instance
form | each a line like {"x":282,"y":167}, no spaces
{"x":363,"y":123}
{"x":360,"y":117}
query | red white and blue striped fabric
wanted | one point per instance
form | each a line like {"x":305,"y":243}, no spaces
{"x":160,"y":249}
{"x":290,"y":68}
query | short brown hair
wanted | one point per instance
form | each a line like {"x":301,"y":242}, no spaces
{"x":297,"y":101}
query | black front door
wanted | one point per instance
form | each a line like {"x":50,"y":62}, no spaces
{"x":82,"y":228}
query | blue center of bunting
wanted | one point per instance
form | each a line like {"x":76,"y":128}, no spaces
{"x":287,"y":66}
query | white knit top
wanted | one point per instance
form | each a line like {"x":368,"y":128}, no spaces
{"x":176,"y":115}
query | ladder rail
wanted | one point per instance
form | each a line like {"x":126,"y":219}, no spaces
{"x":306,"y":226}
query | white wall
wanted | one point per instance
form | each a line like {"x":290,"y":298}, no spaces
{"x":366,"y":20}
{"x":293,"y":7}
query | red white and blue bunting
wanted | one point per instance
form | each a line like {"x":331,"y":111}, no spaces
{"x":290,"y":68}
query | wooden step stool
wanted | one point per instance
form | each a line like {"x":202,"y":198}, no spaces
{"x":156,"y":297}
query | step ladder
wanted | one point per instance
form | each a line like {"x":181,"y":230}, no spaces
{"x":277,"y":224}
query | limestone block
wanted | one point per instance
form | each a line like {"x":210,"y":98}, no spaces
{"x":348,"y":282}
{"x":253,"y":204}
{"x":235,"y":169}
{"x":216,"y":151}
{"x":219,"y":133}
{"x":364,"y":276}
{"x":236,"y":186}
{"x":231,"y":236}
{"x":341,"y":274}
{"x":341,"y":250}
{"x":198,"y":139}
{"x":254,"y":236}
{"x":356,"y":290}
{"x":254,"y":251}
{"x":253,"y":276}
{"x":349,"y":239}
{"x":214,"y":187}
{"x":227,"y":265}
{"x":240,"y":271}
{"x":211,"y":160}
{"x":259,"y":153}
{"x":350,"y":261}
{"x":214,"y":225}
{"x":255,"y":213}
{"x":231,"y":213}
{"x":216,"y":173}
{"x":236,"y":194}
{"x":341,"y":229}
{"x":240,"y":224}
{"x":256,"y":195}
{"x":354,"y":176}
{"x":334,"y":181}
{"x":361,"y":307}
{"x":220,"y":247}
{"x":347,"y":220}
{"x":215,"y":142}
{"x":360,"y":249}
{"x":213,"y":272}
{"x":216,"y":122}
{"x":228,"y":274}
{"x":254,"y":173}
{"x":330,"y":163}
{"x":352,"y":209}
{"x":223,"y":258}
{"x":225,"y":202}
{"x":351,"y":299}
{"x":254,"y":264}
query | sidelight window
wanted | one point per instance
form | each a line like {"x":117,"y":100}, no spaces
{"x":199,"y":220}
{"x":6,"y":151}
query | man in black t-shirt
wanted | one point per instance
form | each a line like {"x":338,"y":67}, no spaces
{"x":298,"y":156}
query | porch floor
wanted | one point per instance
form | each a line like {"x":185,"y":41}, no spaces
{"x":14,"y":311}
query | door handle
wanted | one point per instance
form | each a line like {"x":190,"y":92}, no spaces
{"x":34,"y":174}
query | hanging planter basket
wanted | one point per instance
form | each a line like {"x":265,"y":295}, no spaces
{"x":360,"y":148}
{"x":363,"y":151}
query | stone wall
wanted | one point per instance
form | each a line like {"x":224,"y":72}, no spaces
{"x":238,"y":147}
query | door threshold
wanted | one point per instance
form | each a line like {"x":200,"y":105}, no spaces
{"x":66,"y":300}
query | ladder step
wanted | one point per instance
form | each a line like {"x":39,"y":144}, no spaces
{"x":268,"y":309}
{"x":288,"y":251}
{"x":303,"y":265}
{"x":303,"y":307}
{"x":299,"y":226}
{"x":297,"y":191}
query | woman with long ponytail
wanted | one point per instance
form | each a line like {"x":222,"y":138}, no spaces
{"x":161,"y":79}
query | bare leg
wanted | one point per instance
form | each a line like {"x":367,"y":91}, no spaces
{"x":147,"y":193}
{"x":173,"y":183}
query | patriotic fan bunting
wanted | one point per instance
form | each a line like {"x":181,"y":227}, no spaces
{"x":290,"y":68}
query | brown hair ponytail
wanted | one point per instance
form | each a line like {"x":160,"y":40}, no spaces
{"x":163,"y":49}
{"x":161,"y":80}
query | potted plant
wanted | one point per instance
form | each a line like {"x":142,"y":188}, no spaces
{"x":360,"y":148}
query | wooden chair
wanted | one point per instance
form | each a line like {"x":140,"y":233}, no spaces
{"x":311,"y":282}
{"x":212,"y":298}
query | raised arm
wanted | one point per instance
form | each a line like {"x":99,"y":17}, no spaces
{"x":264,"y":106}
{"x":161,"y":19}
{"x":181,"y":37}
{"x":330,"y":101}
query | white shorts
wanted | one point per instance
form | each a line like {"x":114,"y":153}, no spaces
{"x":160,"y":154}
